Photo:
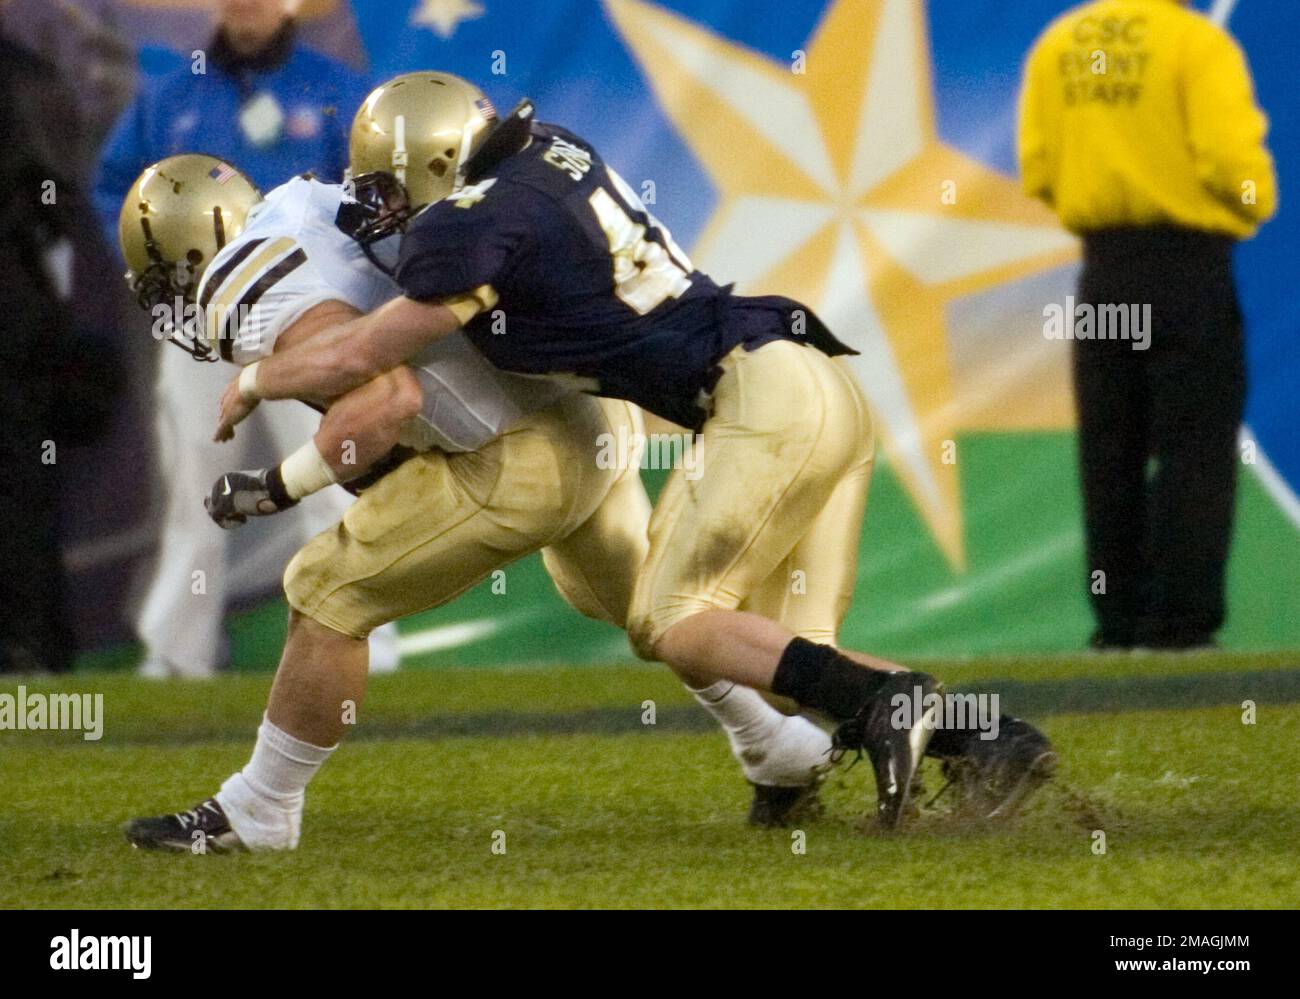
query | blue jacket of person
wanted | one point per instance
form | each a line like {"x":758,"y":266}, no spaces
{"x":284,"y":111}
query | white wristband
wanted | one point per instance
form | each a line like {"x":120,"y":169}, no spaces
{"x":305,"y":472}
{"x":248,"y":383}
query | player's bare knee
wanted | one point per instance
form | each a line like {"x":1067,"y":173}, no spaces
{"x":324,"y":634}
{"x":641,"y":633}
{"x":296,"y":619}
{"x":299,"y":568}
{"x":658,"y":635}
{"x":673,"y":643}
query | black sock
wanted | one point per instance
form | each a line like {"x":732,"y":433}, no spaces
{"x":819,"y":677}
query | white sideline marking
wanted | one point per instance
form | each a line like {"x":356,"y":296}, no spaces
{"x":1269,"y":477}
{"x":445,"y":636}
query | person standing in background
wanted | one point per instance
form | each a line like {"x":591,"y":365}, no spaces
{"x":1139,"y":128}
{"x":38,"y":222}
{"x":273,"y":108}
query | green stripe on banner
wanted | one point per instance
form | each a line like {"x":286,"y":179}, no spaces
{"x":1022,"y":593}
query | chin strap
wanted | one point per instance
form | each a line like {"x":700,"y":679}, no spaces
{"x":367,"y":248}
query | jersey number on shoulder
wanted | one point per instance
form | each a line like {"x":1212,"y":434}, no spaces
{"x":647,"y":271}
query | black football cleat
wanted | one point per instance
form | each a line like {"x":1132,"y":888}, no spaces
{"x":993,"y":777}
{"x":895,"y":750}
{"x":203,"y":829}
{"x":776,"y":807}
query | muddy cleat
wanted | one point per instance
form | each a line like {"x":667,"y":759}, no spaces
{"x":776,"y":807}
{"x":895,"y":750}
{"x":786,"y":769}
{"x":994,"y":777}
{"x":203,"y":829}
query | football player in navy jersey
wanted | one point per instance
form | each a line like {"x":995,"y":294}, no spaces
{"x":553,"y":267}
{"x":491,"y":467}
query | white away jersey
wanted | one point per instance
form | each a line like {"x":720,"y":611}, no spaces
{"x":291,"y":257}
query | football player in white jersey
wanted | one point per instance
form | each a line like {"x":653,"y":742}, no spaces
{"x":181,"y":632}
{"x":499,"y":466}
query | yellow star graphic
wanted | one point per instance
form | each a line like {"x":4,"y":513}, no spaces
{"x":835,"y":190}
{"x":444,"y":16}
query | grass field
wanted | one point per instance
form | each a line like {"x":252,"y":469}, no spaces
{"x":597,"y":809}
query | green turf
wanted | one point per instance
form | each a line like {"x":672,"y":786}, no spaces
{"x":597,"y":809}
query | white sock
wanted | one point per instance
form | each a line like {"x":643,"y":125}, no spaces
{"x":740,"y":710}
{"x":282,"y":765}
{"x":771,"y":748}
{"x":264,"y":800}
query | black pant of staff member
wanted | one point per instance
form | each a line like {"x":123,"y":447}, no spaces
{"x":1139,"y":128}
{"x":1158,"y":435}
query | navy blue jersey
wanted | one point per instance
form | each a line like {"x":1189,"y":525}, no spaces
{"x":589,"y":285}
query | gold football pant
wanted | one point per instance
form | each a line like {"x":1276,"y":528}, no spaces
{"x":772,"y":523}
{"x":440,"y":523}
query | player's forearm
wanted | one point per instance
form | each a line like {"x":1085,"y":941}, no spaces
{"x":363,"y":426}
{"x":320,"y":369}
{"x":351,"y":354}
{"x":358,"y":430}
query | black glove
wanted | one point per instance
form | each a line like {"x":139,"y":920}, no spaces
{"x":236,"y":496}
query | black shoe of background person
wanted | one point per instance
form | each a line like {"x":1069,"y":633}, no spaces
{"x":1177,"y":641}
{"x":1103,"y":641}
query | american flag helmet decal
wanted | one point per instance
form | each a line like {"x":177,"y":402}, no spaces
{"x":222,"y":172}
{"x":486,"y":108}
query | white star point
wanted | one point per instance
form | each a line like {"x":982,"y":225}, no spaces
{"x":443,"y":17}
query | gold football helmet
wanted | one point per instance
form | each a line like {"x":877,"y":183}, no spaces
{"x":175,"y":218}
{"x":421,"y":128}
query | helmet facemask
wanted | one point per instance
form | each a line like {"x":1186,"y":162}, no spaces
{"x":378,"y":207}
{"x":163,"y":282}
